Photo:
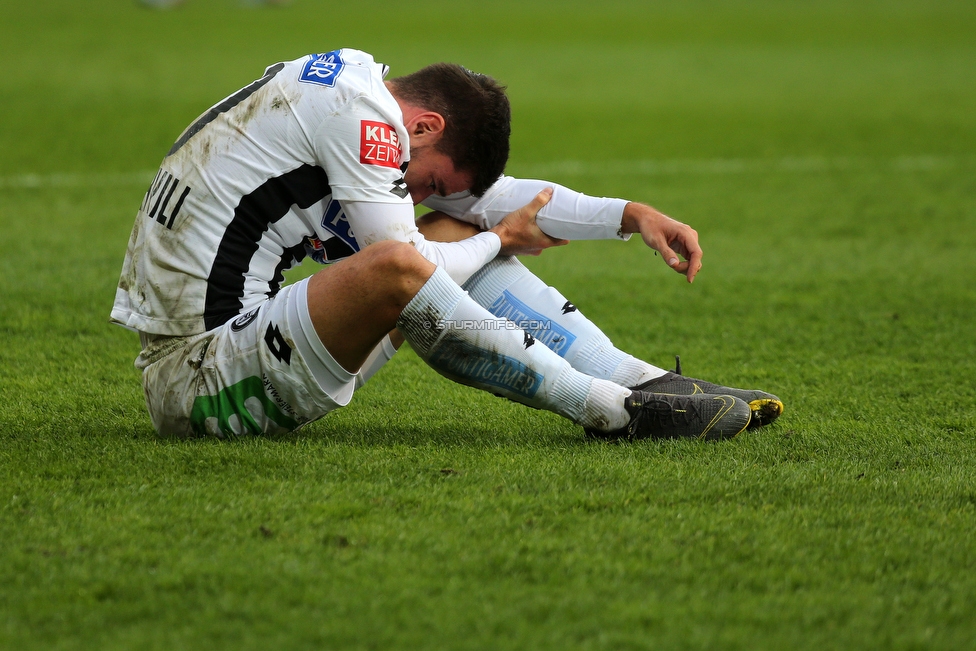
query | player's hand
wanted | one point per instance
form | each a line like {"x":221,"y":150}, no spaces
{"x":676,"y":242}
{"x":519,"y":233}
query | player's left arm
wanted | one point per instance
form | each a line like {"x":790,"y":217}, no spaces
{"x":571,"y":215}
{"x":676,"y":242}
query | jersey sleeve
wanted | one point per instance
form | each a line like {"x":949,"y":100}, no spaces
{"x":361,"y":148}
{"x":569,"y":215}
{"x":373,"y":222}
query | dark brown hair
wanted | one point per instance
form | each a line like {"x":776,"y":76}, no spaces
{"x":477,"y":117}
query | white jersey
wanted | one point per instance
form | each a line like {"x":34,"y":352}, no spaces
{"x":254,"y":185}
{"x":257,"y":183}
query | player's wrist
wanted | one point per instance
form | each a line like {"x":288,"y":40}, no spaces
{"x":630,"y":220}
{"x":500,"y":231}
{"x":641,"y":218}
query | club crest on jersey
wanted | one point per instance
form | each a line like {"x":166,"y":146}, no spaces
{"x":244,"y":320}
{"x":334,"y":221}
{"x":322,"y":69}
{"x":379,"y":145}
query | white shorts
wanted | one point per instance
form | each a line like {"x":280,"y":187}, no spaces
{"x":264,"y":372}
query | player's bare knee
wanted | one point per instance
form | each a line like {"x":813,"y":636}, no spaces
{"x":401,"y":267}
{"x":398,"y":258}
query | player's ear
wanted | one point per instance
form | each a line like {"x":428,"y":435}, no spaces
{"x":425,"y":126}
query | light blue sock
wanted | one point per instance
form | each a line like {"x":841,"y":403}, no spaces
{"x":464,"y":342}
{"x":507,"y":289}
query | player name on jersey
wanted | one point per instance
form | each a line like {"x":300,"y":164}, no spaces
{"x":379,"y":144}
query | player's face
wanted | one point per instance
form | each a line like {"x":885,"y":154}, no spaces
{"x":432,"y":172}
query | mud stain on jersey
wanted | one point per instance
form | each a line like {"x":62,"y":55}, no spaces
{"x":401,"y":232}
{"x":169,"y":284}
{"x":264,"y":100}
{"x":172,"y":242}
{"x":128,"y":278}
{"x":203,"y":157}
{"x":251,"y":108}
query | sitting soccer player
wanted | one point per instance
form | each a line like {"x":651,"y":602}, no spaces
{"x":321,"y":157}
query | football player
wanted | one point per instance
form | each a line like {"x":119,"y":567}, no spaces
{"x":322,"y":157}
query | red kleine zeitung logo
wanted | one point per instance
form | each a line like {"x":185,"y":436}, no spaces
{"x":379,"y":145}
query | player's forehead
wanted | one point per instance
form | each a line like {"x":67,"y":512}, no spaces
{"x":456,"y":181}
{"x":446,"y":177}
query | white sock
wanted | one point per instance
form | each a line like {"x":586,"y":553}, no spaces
{"x":507,"y":289}
{"x":464,"y":342}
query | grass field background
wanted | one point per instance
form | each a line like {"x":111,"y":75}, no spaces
{"x":825,"y":152}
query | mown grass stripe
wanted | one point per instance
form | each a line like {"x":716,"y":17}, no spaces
{"x":76,"y":179}
{"x":799,"y":164}
{"x":641,"y":167}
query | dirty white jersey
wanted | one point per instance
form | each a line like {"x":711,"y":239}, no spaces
{"x":254,"y":185}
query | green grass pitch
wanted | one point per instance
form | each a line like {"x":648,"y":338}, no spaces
{"x":825,"y":152}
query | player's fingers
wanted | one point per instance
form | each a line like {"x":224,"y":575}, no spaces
{"x":694,"y":265}
{"x":686,"y":245}
{"x":546,"y":242}
{"x":678,"y":247}
{"x":670,"y":257}
{"x":538,"y":201}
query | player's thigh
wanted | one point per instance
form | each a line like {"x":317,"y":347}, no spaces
{"x":356,"y":302}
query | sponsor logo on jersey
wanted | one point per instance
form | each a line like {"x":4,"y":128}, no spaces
{"x":322,"y":69}
{"x":315,"y":250}
{"x":334,"y":220}
{"x":252,"y":406}
{"x":277,"y":344}
{"x":379,"y":145}
{"x":244,"y":320}
{"x":400,"y":188}
{"x":555,"y":337}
